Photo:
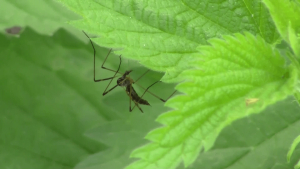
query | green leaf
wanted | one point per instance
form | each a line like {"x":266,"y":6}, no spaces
{"x":294,"y":40}
{"x":286,"y":15}
{"x":163,"y":35}
{"x":45,"y":104}
{"x":297,"y":166}
{"x":234,"y":78}
{"x":123,"y":136}
{"x":258,"y":141}
{"x":292,"y":148}
{"x":43,"y":16}
{"x":48,"y":100}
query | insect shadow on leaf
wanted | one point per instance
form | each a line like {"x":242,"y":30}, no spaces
{"x":126,"y":82}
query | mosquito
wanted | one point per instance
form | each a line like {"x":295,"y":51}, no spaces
{"x":126,"y":82}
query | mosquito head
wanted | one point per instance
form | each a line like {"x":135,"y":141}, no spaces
{"x":127,"y":72}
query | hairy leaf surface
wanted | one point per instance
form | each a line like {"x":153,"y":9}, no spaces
{"x":233,"y":78}
{"x":163,"y":35}
{"x":258,"y":141}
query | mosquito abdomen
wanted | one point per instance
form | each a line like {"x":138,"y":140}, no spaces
{"x":142,"y":101}
{"x":135,"y":96}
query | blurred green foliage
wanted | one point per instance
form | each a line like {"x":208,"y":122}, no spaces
{"x":53,"y":116}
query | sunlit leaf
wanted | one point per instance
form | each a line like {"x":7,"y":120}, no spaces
{"x":227,"y":74}
{"x":163,"y":35}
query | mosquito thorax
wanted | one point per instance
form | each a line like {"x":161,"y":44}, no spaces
{"x":127,"y":72}
{"x":124,"y":80}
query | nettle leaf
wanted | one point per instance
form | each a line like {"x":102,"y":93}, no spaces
{"x":163,"y":35}
{"x":47,"y":101}
{"x":283,"y":13}
{"x":44,"y":16}
{"x":292,"y":149}
{"x":123,"y":136}
{"x":286,"y":15}
{"x":233,"y":78}
{"x":258,"y":141}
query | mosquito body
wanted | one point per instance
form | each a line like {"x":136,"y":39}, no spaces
{"x":126,"y":82}
{"x":134,"y":96}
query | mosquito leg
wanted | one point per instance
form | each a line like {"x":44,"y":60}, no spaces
{"x":135,"y":103}
{"x":146,"y":90}
{"x":139,"y":108}
{"x":130,"y":98}
{"x":102,"y":66}
{"x":141,"y":76}
{"x":105,"y":92}
{"x":130,"y":104}
{"x":170,"y":96}
{"x":110,"y":78}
